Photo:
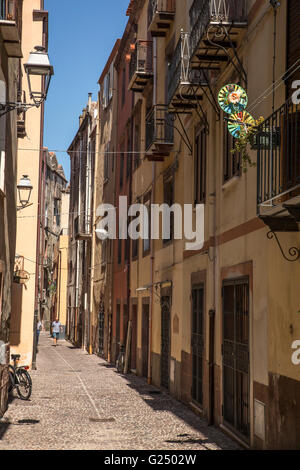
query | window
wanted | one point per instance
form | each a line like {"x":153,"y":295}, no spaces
{"x":119,"y":250}
{"x":56,"y":213}
{"x":146,"y":241}
{"x":108,"y":87}
{"x":135,"y":243}
{"x":169,"y":200}
{"x":123,"y":85}
{"x":200,"y":167}
{"x":121,"y":169}
{"x":136,"y":145}
{"x":106,"y":160}
{"x":129,"y":154}
{"x":231,"y":161}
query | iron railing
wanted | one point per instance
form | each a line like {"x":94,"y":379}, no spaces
{"x":180,"y":71}
{"x":161,"y":6}
{"x":159,"y":126}
{"x":141,"y":59}
{"x":278,"y":158}
{"x":10,"y":10}
{"x":174,"y":71}
{"x":204,"y":12}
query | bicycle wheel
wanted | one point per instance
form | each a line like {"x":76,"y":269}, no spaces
{"x":24,"y":385}
{"x":11,"y":379}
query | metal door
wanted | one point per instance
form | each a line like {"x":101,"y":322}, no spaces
{"x":197,"y":343}
{"x":165,"y":341}
{"x":236,"y":355}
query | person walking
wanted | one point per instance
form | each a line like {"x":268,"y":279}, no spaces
{"x":38,"y":331}
{"x":56,"y":326}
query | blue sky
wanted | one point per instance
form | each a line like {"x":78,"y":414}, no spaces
{"x":81,"y":37}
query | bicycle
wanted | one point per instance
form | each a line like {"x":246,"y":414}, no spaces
{"x":19,"y":379}
{"x":120,"y":362}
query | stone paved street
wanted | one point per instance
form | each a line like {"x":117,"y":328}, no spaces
{"x":80,"y":402}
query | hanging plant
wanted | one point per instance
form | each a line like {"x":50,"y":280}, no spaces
{"x":52,"y":288}
{"x":245,"y":139}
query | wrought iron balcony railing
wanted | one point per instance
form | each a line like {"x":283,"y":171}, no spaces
{"x":175,"y":72}
{"x":141,"y":65}
{"x":183,"y":81}
{"x":278,"y":160}
{"x":204,"y":13}
{"x":9,"y":10}
{"x":159,"y":128}
{"x":161,"y":15}
{"x":11,"y":26}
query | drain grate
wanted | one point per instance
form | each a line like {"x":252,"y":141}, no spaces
{"x":28,"y":421}
{"x":102,"y":420}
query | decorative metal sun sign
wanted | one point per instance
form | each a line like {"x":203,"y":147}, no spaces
{"x":233,"y":100}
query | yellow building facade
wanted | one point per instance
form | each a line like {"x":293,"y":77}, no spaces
{"x":26,"y":297}
{"x":220,"y":323}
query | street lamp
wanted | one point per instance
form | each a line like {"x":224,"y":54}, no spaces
{"x":24,"y":189}
{"x":38,"y":65}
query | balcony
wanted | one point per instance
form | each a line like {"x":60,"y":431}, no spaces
{"x":185,"y":86}
{"x":141,"y":66}
{"x":221,"y":21}
{"x":161,"y":16}
{"x":278,"y":169}
{"x":82,"y":228}
{"x":159,"y":133}
{"x":11,"y":26}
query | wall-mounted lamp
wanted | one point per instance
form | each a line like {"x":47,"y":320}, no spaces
{"x":38,"y":65}
{"x":24,"y":189}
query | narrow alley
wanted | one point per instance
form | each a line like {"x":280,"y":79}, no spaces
{"x":81,"y":402}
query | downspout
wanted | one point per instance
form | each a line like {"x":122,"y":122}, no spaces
{"x":39,"y":236}
{"x":77,"y":244}
{"x":152,"y":202}
{"x":129,"y":204}
{"x":89,"y":225}
{"x":213,"y":309}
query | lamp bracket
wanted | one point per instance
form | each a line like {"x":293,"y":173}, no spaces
{"x":293,"y":251}
{"x":11,"y":106}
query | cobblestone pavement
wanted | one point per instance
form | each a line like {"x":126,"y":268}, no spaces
{"x":81,"y":402}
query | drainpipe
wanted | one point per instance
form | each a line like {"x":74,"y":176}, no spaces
{"x":39,"y":235}
{"x":152,"y":241}
{"x":78,"y":245}
{"x":214,"y":303}
{"x":88,"y":223}
{"x":129,"y":204}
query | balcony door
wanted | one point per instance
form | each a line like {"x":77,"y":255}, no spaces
{"x":236,"y":356}
{"x":165,"y":341}
{"x":197,"y":343}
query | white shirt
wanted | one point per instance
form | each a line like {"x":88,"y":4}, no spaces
{"x":56,"y":326}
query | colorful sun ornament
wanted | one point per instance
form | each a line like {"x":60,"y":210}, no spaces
{"x":239,"y":122}
{"x":232,"y":98}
